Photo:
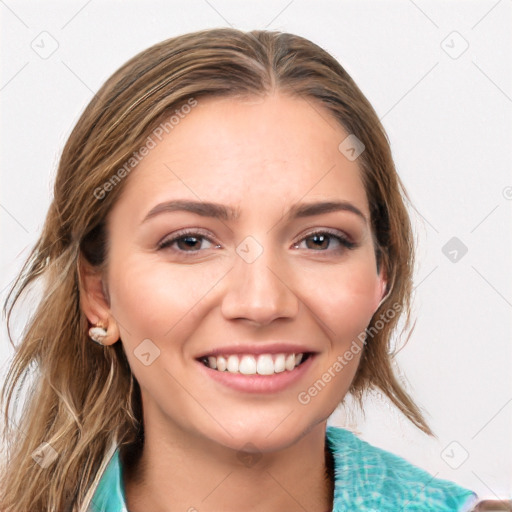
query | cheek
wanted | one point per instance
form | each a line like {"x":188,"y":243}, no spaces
{"x":163,"y":303}
{"x":151,"y":298}
{"x":344,"y":298}
{"x":343,"y":303}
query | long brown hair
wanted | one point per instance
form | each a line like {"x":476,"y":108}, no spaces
{"x":84,"y":399}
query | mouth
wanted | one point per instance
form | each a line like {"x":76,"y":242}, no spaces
{"x":255,"y":364}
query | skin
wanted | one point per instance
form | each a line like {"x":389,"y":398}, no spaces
{"x":261,"y":156}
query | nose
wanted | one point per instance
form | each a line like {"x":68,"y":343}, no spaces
{"x":259,"y":291}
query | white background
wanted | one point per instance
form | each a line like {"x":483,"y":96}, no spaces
{"x":449,"y":123}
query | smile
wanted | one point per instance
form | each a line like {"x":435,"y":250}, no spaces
{"x":252,"y":364}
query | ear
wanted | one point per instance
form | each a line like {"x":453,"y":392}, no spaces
{"x":94,"y":300}
{"x":381,"y":289}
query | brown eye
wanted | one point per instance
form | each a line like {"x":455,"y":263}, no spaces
{"x":322,"y":240}
{"x":187,"y":242}
{"x":318,"y":241}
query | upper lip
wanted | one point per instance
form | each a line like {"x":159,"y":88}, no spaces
{"x":274,"y":348}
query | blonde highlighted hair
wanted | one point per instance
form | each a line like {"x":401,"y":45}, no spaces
{"x":84,"y":399}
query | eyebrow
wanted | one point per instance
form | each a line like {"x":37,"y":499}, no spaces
{"x":219,"y":211}
{"x":310,"y":209}
{"x":202,"y":208}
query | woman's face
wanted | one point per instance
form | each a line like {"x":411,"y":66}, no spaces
{"x":220,"y":246}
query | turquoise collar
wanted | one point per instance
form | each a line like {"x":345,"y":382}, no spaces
{"x":367,"y":479}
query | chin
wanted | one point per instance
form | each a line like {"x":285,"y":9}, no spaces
{"x":259,"y":438}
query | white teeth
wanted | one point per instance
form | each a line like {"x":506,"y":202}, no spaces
{"x":263,"y":364}
{"x":247,"y":365}
{"x":279,"y":365}
{"x":233,"y":364}
{"x":221,"y":364}
{"x":290,"y":362}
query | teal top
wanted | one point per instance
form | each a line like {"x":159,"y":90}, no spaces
{"x":367,"y":479}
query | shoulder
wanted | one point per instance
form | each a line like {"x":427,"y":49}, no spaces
{"x":368,"y":478}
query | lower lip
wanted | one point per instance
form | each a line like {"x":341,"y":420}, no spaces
{"x":259,"y":383}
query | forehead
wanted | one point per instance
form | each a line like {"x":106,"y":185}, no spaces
{"x":248,"y":151}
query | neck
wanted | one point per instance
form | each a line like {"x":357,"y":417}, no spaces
{"x":192,"y":474}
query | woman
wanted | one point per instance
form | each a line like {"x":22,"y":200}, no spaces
{"x":229,"y":229}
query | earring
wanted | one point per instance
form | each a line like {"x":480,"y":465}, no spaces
{"x":98,"y":334}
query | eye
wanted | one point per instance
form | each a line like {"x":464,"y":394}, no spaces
{"x":323,"y":240}
{"x":193,"y":241}
{"x":187,"y":241}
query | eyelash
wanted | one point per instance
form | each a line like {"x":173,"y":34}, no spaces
{"x":342,"y":240}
